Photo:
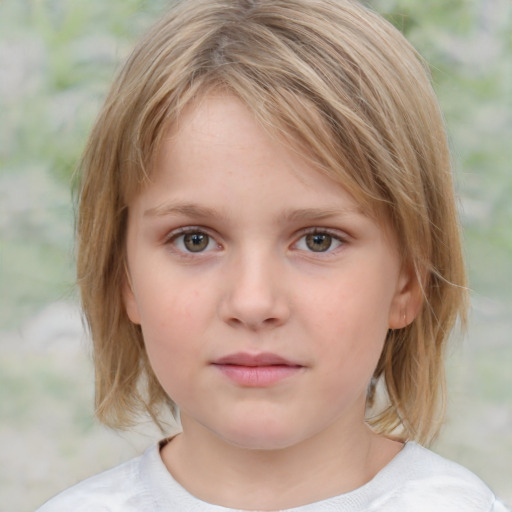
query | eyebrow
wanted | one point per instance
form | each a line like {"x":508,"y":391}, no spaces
{"x":312,"y":214}
{"x":186,"y":209}
{"x":203,"y":212}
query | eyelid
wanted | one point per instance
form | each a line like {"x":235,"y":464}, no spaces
{"x":340,"y":235}
{"x":336,"y":234}
{"x":184,"y":230}
{"x":171,"y":237}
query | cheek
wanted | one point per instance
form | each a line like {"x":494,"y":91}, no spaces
{"x":173,"y":322}
{"x":171,"y":355}
{"x":354,"y":307}
{"x":168,"y":304}
{"x":350,"y":324}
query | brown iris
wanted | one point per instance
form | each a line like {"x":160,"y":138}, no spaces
{"x":196,"y":242}
{"x":318,"y":242}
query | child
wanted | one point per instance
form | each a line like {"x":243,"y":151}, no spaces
{"x":268,"y":244}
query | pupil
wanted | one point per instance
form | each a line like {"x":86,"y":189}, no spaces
{"x":196,"y":242}
{"x":319,"y":242}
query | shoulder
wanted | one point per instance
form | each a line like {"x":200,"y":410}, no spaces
{"x":115,"y":490}
{"x":429,"y":482}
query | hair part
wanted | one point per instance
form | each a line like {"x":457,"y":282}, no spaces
{"x":329,"y":76}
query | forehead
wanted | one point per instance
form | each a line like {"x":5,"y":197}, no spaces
{"x":219,"y":162}
{"x":219,"y":142}
{"x":217,"y":138}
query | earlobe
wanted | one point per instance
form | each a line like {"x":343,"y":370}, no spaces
{"x":408,"y":299}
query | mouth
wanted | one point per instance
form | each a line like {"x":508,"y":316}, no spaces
{"x":256,"y":370}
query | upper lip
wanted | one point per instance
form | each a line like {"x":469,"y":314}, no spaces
{"x":261,"y":359}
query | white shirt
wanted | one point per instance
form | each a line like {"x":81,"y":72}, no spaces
{"x":416,"y":480}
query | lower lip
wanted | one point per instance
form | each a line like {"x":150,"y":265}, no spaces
{"x":258,"y":376}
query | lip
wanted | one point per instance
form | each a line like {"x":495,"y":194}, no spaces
{"x":256,"y":370}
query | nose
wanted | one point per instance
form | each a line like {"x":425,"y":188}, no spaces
{"x":255,"y":294}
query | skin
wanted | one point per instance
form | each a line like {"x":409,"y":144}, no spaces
{"x":259,"y":285}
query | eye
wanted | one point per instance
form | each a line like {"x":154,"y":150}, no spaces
{"x":193,"y":241}
{"x":318,"y":241}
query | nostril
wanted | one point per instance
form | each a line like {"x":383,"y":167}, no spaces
{"x":254,"y":324}
{"x":255,"y":316}
{"x":252,"y":298}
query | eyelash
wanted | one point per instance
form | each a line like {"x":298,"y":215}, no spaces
{"x":183,"y":232}
{"x":193,"y":230}
{"x":334,"y":235}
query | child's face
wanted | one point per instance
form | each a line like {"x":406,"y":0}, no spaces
{"x":263,"y":292}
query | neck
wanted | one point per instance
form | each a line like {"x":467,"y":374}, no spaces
{"x":334,"y":462}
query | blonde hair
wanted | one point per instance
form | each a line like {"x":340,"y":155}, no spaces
{"x":345,"y":84}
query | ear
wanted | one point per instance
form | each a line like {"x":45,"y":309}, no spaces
{"x":130,"y":303}
{"x":408,"y":298}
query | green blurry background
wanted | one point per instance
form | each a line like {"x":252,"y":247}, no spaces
{"x":57,"y":58}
